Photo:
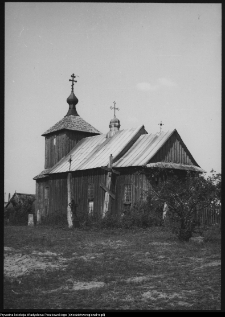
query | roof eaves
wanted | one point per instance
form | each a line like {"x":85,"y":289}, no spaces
{"x":169,"y":165}
{"x":43,"y":174}
{"x":72,"y":123}
{"x":22,"y":194}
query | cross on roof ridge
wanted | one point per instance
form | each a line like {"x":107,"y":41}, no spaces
{"x":160,"y":124}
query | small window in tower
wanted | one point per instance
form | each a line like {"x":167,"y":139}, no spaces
{"x":54,"y":140}
{"x":46,"y":192}
{"x":127,"y":194}
{"x":90,"y":191}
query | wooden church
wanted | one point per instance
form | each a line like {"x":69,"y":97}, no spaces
{"x":103,"y":173}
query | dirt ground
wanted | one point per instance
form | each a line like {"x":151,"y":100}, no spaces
{"x":117,"y":271}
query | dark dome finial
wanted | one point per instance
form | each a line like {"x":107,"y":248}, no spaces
{"x":72,"y":100}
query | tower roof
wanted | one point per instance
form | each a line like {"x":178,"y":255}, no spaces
{"x":72,"y":120}
{"x":74,"y":123}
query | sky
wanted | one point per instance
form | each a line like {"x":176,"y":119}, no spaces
{"x":158,"y":62}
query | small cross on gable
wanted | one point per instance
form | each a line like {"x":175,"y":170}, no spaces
{"x":161,"y":124}
{"x":70,"y":160}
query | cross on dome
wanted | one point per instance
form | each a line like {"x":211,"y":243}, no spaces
{"x":114,"y":108}
{"x":73,"y":81}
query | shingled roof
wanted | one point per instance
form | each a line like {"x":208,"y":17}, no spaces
{"x":19,"y":196}
{"x":43,"y":174}
{"x":75,"y":123}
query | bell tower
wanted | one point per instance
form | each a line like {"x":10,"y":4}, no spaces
{"x":65,"y":134}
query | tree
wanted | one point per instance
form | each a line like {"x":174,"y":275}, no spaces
{"x":184,"y":194}
{"x":22,"y":207}
{"x":216,"y":178}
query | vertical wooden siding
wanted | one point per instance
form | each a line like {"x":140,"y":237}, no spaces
{"x":80,"y":181}
{"x":139,"y":183}
{"x":79,"y":187}
{"x":58,"y":194}
{"x":173,"y":151}
{"x":65,"y":141}
{"x":40,"y":196}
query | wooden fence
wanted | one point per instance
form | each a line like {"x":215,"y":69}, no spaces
{"x":209,"y":216}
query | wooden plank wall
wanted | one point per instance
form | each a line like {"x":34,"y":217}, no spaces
{"x":173,"y":151}
{"x":80,"y":179}
{"x":65,"y":141}
{"x":139,"y":183}
{"x":58,"y":193}
{"x":40,"y":198}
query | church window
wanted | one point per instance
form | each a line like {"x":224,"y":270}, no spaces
{"x":127,"y":193}
{"x":54,"y":140}
{"x":90,"y":191}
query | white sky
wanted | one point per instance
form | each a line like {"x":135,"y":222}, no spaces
{"x":157,"y":61}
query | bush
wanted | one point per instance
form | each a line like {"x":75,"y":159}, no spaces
{"x":56,"y":219}
{"x":142,"y":214}
{"x":21,"y":209}
{"x":212,"y":234}
{"x":185,"y":193}
{"x":110,"y":221}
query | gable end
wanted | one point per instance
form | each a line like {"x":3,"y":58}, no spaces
{"x":174,"y":150}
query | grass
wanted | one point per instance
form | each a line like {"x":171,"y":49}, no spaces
{"x":141,"y":269}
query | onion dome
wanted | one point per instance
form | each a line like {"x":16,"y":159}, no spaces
{"x":72,"y":101}
{"x":114,"y":123}
{"x":114,"y":126}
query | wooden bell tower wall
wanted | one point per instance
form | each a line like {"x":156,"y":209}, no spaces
{"x":60,"y":143}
